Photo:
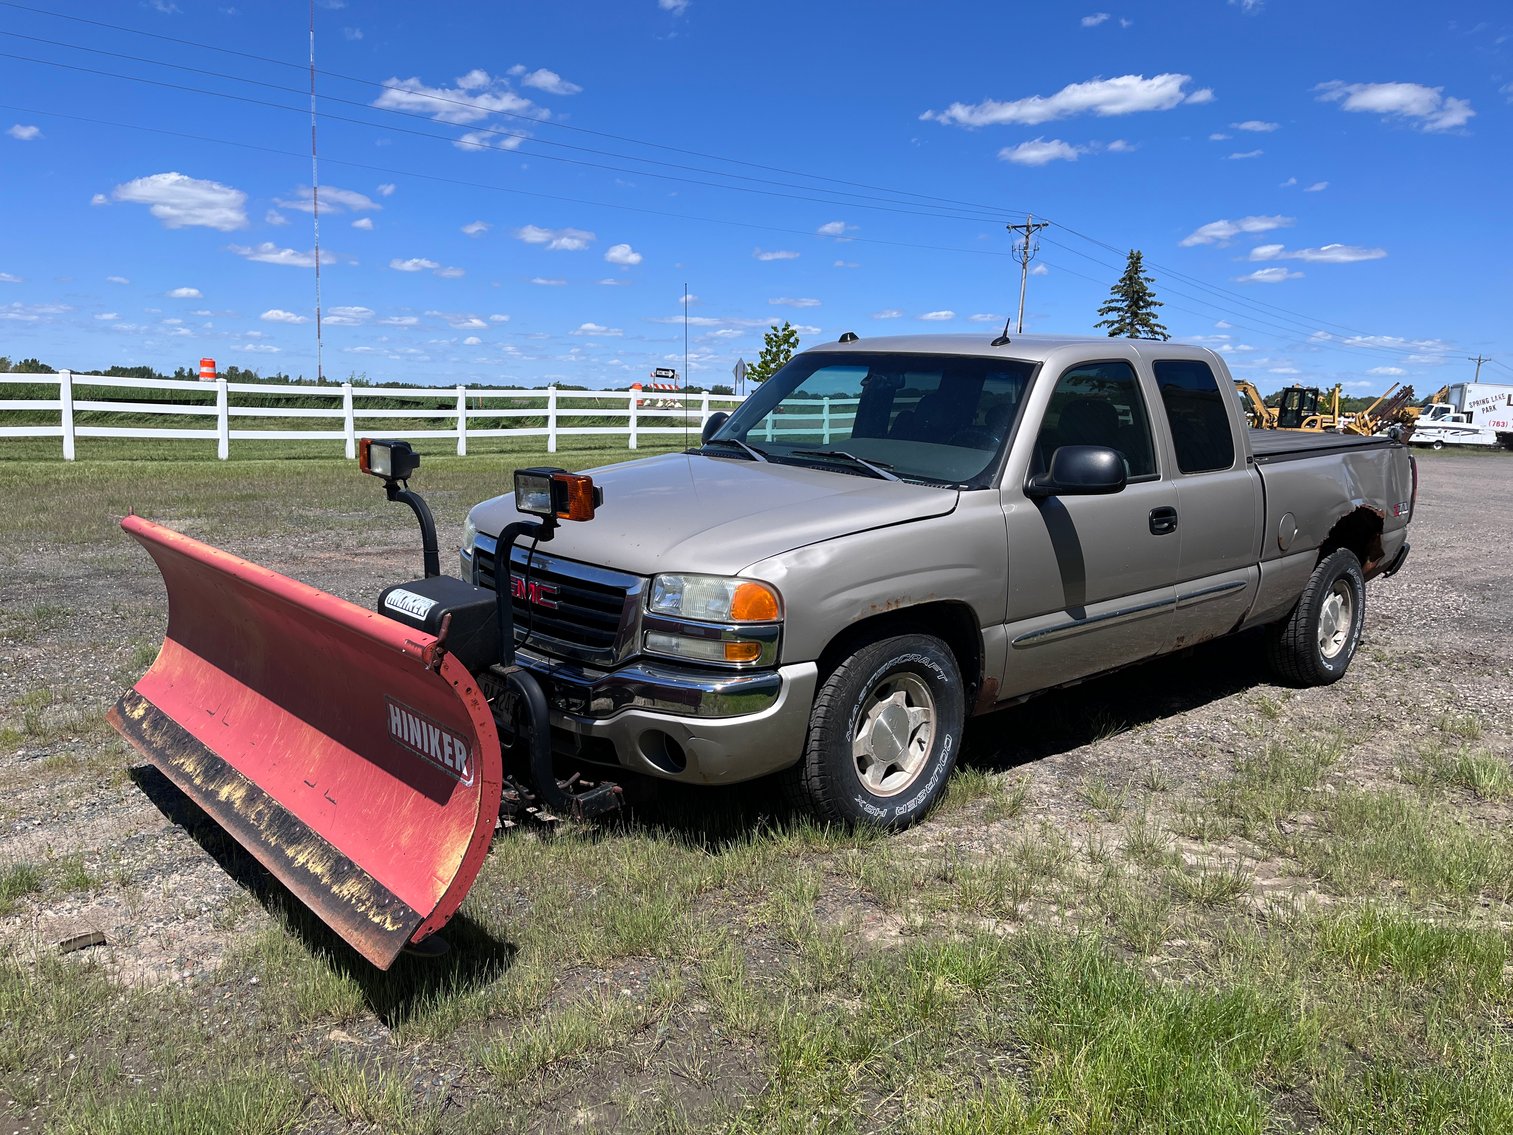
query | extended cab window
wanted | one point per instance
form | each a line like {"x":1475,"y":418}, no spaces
{"x":1195,"y":408}
{"x":1099,"y":404}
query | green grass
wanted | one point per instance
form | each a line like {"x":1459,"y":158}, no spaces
{"x":1122,"y":958}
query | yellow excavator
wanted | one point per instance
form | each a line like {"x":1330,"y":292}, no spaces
{"x":1299,"y":408}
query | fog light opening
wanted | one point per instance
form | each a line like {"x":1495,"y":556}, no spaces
{"x":662,"y":751}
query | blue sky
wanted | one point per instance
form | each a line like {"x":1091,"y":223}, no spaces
{"x":519,"y":193}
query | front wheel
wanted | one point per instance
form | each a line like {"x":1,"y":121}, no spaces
{"x":1313,"y":646}
{"x":1437,"y":444}
{"x":884,"y":734}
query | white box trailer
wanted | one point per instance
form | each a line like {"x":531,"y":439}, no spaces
{"x":1473,"y":413}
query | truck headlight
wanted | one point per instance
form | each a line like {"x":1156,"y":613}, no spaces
{"x":469,"y":536}
{"x":714,"y":598}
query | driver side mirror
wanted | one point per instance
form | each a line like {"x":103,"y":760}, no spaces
{"x":1079,"y":470}
{"x":716,"y":420}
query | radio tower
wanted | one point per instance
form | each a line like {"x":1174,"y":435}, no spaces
{"x":320,"y":370}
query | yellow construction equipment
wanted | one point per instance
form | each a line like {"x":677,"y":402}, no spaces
{"x":1391,"y":410}
{"x":1299,"y":408}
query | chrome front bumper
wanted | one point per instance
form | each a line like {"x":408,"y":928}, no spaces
{"x":700,"y":726}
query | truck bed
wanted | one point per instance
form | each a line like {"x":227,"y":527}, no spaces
{"x":1271,"y":446}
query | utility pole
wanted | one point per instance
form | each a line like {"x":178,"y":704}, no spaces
{"x":1024,"y":254}
{"x":1478,"y":361}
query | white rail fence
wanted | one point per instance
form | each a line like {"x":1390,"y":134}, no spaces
{"x":476,"y":413}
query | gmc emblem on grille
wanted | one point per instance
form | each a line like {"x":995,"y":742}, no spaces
{"x":536,"y":594}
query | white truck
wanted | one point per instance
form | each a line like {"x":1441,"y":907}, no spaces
{"x":1473,"y":413}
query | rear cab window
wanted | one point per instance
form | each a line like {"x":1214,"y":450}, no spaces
{"x":1195,"y":411}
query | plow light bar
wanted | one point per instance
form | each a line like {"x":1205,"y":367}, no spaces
{"x":557,"y":493}
{"x":391,"y":460}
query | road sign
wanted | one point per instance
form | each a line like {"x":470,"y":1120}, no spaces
{"x":664,"y":372}
{"x":739,"y":370}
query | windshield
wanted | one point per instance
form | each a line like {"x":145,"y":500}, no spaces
{"x":941,"y":419}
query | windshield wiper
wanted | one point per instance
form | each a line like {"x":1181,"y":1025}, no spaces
{"x":750,"y":450}
{"x":876,"y":468}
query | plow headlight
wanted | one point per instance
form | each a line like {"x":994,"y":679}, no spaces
{"x":715,"y":598}
{"x":391,"y":460}
{"x":557,"y":493}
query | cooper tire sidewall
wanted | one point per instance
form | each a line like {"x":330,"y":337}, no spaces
{"x":935,"y":666}
{"x":1350,"y":571}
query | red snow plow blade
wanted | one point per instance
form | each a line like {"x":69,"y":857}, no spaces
{"x":352,"y":755}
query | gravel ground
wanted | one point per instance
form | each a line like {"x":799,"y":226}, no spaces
{"x":80,"y":622}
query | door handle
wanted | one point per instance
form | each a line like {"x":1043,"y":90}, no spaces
{"x":1163,"y":520}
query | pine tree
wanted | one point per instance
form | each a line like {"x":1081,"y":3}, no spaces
{"x":1130,"y":311}
{"x":778,"y":346}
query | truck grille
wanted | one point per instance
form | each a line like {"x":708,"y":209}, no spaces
{"x":570,"y":609}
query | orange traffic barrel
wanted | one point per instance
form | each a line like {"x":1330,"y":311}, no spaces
{"x":207,"y":370}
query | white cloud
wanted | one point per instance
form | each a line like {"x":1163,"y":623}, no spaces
{"x":622,"y":254}
{"x":1218,"y":137}
{"x":1094,"y":20}
{"x":1289,"y":183}
{"x":676,"y":7}
{"x":845,"y":264}
{"x":984,"y":317}
{"x":1255,"y":126}
{"x":550,"y":82}
{"x":1246,"y":154}
{"x":180,"y":202}
{"x":476,"y":228}
{"x":1430,"y":108}
{"x":471,"y":341}
{"x":1126,"y":94}
{"x":1268,"y":276}
{"x":890,"y":313}
{"x":279,"y":315}
{"x":775,"y":254}
{"x":938,"y":316}
{"x":364,"y":223}
{"x":348,"y":316}
{"x":386,"y":189}
{"x":1327,"y":254}
{"x":1317,"y":187}
{"x":547,"y":282}
{"x":185,"y":294}
{"x":1220,"y":232}
{"x":556,"y":240}
{"x":597,"y":329}
{"x":274,"y":217}
{"x":1388,"y":372}
{"x":1040,"y":151}
{"x":117,"y":280}
{"x":107,"y":315}
{"x":1039,"y":270}
{"x":612,"y":282}
{"x":475,"y":97}
{"x":352,"y":33}
{"x":25,"y":133}
{"x":498,"y":318}
{"x":451,"y":273}
{"x":400,"y":321}
{"x":791,"y":301}
{"x":486,"y":139}
{"x":270,"y":253}
{"x":835,"y":228}
{"x":99,"y":199}
{"x":332,"y":200}
{"x":8,"y":278}
{"x":1120,"y":146}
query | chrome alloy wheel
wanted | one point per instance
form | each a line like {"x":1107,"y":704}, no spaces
{"x":894,"y":731}
{"x":1335,"y":618}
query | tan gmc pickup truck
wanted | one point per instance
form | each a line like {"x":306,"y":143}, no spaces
{"x":893,"y":535}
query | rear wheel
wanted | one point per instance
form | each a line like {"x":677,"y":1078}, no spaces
{"x":883,"y":734}
{"x":1313,"y":646}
